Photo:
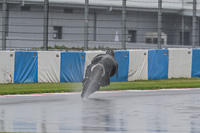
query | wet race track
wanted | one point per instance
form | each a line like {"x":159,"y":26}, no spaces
{"x":169,"y":111}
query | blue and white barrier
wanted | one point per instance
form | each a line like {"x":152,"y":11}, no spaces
{"x":122,"y":57}
{"x":26,"y":67}
{"x":180,"y":62}
{"x":55,"y":66}
{"x":158,"y":64}
{"x":72,"y":66}
{"x":7,"y":61}
{"x":49,"y":66}
{"x":138,"y":65}
{"x":196,"y":63}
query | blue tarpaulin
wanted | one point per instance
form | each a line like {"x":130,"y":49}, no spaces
{"x":122,"y":58}
{"x":25,"y":67}
{"x":158,"y":64}
{"x":196,"y":63}
{"x":72,"y":66}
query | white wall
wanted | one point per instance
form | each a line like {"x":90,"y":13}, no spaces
{"x":180,"y":63}
{"x":138,"y":65}
{"x":7,"y":59}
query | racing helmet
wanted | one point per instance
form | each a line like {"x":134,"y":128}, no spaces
{"x":110,"y":52}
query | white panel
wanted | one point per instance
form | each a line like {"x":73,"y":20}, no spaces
{"x":180,"y":63}
{"x":138,"y":65}
{"x":7,"y":60}
{"x":90,"y":55}
{"x":48,"y":66}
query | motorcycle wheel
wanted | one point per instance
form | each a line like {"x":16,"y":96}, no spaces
{"x":92,"y":84}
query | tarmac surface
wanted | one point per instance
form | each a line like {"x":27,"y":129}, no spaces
{"x":157,"y":111}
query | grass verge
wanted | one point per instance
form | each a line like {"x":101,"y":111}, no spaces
{"x":28,"y":88}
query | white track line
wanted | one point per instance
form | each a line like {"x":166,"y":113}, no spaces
{"x":78,"y":93}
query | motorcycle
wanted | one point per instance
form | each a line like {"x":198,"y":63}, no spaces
{"x":92,"y":83}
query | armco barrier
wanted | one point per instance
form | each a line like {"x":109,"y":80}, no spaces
{"x":55,"y":66}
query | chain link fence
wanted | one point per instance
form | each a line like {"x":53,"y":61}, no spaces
{"x":84,"y":24}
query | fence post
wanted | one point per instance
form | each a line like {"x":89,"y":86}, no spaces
{"x":159,"y":23}
{"x":95,"y":27}
{"x":182,"y":24}
{"x":124,"y":24}
{"x":86,"y":26}
{"x":4,"y":15}
{"x":46,"y":19}
{"x":182,"y":28}
{"x":194,"y":25}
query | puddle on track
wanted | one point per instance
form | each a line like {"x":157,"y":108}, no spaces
{"x":139,"y":112}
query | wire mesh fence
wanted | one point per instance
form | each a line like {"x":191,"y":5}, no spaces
{"x":143,"y":24}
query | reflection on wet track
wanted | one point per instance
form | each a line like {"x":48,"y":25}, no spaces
{"x":169,"y":111}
